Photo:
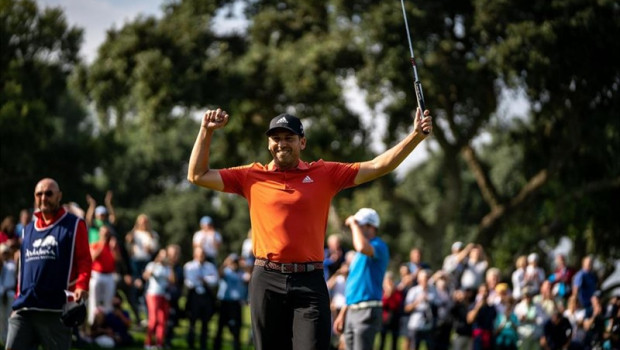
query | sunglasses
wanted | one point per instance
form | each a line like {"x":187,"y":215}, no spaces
{"x":47,"y":193}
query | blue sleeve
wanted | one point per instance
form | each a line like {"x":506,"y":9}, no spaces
{"x":578,"y":280}
{"x":381,"y":251}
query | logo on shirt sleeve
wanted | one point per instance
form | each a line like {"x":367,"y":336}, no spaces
{"x":307,"y":180}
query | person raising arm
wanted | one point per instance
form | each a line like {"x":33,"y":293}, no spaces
{"x":281,"y":195}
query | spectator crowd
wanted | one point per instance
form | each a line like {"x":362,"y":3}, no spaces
{"x":464,"y":304}
{"x":151,"y":278}
{"x":468,"y":304}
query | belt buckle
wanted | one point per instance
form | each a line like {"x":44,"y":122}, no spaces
{"x":283,"y":268}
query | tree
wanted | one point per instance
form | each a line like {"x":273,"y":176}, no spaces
{"x":551,"y":172}
{"x":43,"y":128}
{"x":571,"y":142}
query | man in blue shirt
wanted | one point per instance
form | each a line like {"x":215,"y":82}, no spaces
{"x":360,"y":319}
{"x":232,"y":292}
{"x":585,"y":283}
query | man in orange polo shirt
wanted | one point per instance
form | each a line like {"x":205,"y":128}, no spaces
{"x":289,"y":202}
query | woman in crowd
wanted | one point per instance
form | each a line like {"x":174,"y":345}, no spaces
{"x":506,"y":323}
{"x":142,"y":243}
{"x":392,"y":305}
{"x":159,"y":275}
{"x":103,"y":275}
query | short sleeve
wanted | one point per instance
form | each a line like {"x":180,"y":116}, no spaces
{"x":197,"y":239}
{"x":343,"y":173}
{"x":234,"y":178}
{"x":381,"y":251}
{"x":578,"y":279}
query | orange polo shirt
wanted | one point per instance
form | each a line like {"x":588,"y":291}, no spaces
{"x":288,"y":209}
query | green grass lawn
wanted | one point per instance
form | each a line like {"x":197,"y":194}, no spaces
{"x":179,"y":340}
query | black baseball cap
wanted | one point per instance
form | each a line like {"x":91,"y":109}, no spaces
{"x":288,"y":122}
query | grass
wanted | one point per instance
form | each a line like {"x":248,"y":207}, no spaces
{"x":180,"y":334}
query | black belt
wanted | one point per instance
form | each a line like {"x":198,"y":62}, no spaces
{"x":289,"y":267}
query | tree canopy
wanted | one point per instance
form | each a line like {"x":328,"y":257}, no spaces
{"x":127,"y":121}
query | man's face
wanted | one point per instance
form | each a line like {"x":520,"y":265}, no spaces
{"x":285,"y":148}
{"x":559,"y":261}
{"x":474,"y":254}
{"x":587,"y":263}
{"x":199,"y":254}
{"x":483,"y":291}
{"x":47,"y":196}
{"x":423,"y":278}
{"x":104,"y":233}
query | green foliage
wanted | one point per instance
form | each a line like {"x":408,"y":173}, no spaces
{"x":564,"y":54}
{"x":503,"y":182}
{"x":43,"y":129}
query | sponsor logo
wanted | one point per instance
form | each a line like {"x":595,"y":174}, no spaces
{"x":49,"y":241}
{"x":307,"y":180}
{"x":282,"y":120}
{"x":43,"y":248}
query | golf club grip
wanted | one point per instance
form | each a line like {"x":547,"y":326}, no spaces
{"x":419,"y":95}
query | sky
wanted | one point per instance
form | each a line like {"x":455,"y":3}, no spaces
{"x":97,"y":16}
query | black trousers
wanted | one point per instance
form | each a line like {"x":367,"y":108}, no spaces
{"x":199,"y":307}
{"x":230,"y":316}
{"x":289,"y":311}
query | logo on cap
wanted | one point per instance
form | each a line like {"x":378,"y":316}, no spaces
{"x":288,"y":122}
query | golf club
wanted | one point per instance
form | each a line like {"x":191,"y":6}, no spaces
{"x":416,"y":81}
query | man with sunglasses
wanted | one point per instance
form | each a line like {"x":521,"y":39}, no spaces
{"x":289,"y":201}
{"x":54,"y":262}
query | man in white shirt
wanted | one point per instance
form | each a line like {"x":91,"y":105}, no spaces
{"x":208,"y":239}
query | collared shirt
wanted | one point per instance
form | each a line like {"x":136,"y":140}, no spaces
{"x":365,"y":281}
{"x":197,"y":275}
{"x":232,"y":285}
{"x":289,"y":208}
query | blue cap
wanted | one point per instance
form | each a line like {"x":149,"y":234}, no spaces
{"x":206,"y":220}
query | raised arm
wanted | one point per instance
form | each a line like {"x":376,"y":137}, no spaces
{"x":198,"y":171}
{"x":90,"y":211}
{"x":360,"y":242}
{"x":390,"y":159}
{"x":110,"y":207}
